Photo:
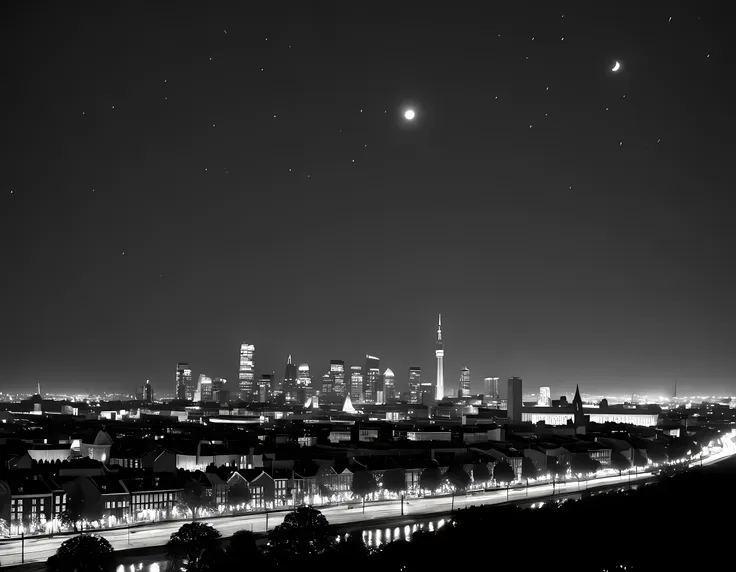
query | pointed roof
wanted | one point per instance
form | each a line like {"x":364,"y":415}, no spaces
{"x":289,"y":360}
{"x":388,"y":372}
{"x":577,"y":398}
{"x":347,"y":406}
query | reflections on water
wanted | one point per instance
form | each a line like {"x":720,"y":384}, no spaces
{"x":375,"y":537}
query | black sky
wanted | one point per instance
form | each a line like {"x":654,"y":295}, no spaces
{"x":581,"y":233}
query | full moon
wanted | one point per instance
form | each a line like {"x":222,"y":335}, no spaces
{"x":616,"y":67}
{"x":409,"y":114}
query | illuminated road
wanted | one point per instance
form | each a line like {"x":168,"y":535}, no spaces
{"x":40,"y":548}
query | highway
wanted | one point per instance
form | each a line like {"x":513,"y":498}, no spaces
{"x":38,"y":549}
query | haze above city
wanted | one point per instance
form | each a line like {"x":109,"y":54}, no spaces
{"x":177,"y":185}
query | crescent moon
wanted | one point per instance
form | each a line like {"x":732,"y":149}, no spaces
{"x":616,"y":67}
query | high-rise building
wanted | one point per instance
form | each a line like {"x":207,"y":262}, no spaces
{"x":439,"y":353}
{"x":491,"y":389}
{"x":304,"y":387}
{"x":220,"y":394}
{"x":144,"y":393}
{"x":356,"y":384}
{"x":545,"y":397}
{"x":371,"y":375}
{"x":415,"y":380}
{"x":184,"y":388}
{"x":337,"y":375}
{"x":204,"y":388}
{"x":327,"y":386}
{"x":246,"y":372}
{"x":514,"y":400}
{"x":265,"y":387}
{"x":426,"y":393}
{"x":389,"y":388}
{"x":289,"y":384}
{"x":463,"y":389}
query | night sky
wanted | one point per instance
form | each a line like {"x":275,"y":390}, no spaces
{"x":178,"y":178}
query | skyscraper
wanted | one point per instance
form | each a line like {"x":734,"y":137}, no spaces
{"x":463,"y":389}
{"x":204,"y":388}
{"x":246,"y":372}
{"x":265,"y":387}
{"x":289,"y":384}
{"x":183,"y":389}
{"x":371,"y":375}
{"x":545,"y":397}
{"x":304,"y":388}
{"x":415,"y":380}
{"x":327,"y":385}
{"x":356,"y":384}
{"x":514,"y":400}
{"x":389,"y":389}
{"x":144,"y":393}
{"x":491,"y":387}
{"x":439,"y":352}
{"x":337,"y":373}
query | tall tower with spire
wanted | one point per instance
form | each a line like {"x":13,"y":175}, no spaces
{"x":439,"y":352}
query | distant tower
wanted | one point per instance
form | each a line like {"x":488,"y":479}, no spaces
{"x":371,"y":379}
{"x":491,"y":387}
{"x":439,"y":352}
{"x":577,"y":403}
{"x":514,"y":401}
{"x":389,"y":387}
{"x":246,"y":372}
{"x":415,"y":381}
{"x":337,"y":376}
{"x":289,"y":384}
{"x":674,"y":390}
{"x":184,"y":387}
{"x":38,"y":390}
{"x":545,"y":397}
{"x":464,"y":386}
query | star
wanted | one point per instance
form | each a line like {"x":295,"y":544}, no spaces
{"x":658,"y":140}
{"x":562,"y":39}
{"x":122,"y":254}
{"x":113,"y":107}
{"x":530,"y":127}
{"x":225,"y":31}
{"x":668,"y":21}
{"x":83,"y":112}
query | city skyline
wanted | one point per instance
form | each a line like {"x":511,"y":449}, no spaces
{"x":323,"y":180}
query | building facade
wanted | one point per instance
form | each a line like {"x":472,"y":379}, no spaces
{"x":415,"y":381}
{"x":389,"y":387}
{"x":371,"y":375}
{"x":356,"y":384}
{"x":491,"y":389}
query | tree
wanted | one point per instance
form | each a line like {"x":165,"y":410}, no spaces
{"x":80,"y":507}
{"x":481,"y":474}
{"x":83,"y":553}
{"x":583,"y":464}
{"x":239,"y":494}
{"x":304,"y":533}
{"x":639,"y":460}
{"x":193,"y":545}
{"x":457,"y":477}
{"x":193,"y":494}
{"x":619,"y":462}
{"x":364,"y":483}
{"x":242,"y":548}
{"x":394,"y":481}
{"x":504,"y":473}
{"x":657,"y":453}
{"x":528,"y":471}
{"x":430,"y":479}
{"x":352,"y":549}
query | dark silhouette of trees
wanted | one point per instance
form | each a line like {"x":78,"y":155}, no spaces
{"x":194,"y":495}
{"x":239,"y":494}
{"x":619,"y":462}
{"x":481,"y":474}
{"x":457,"y":477}
{"x":242,"y":548}
{"x":583,"y":464}
{"x":364,"y":483}
{"x":394,"y":481}
{"x":503,"y":472}
{"x":430,"y":479}
{"x":83,"y":553}
{"x":528,"y":471}
{"x":80,"y":507}
{"x":194,"y":545}
{"x":303,"y":534}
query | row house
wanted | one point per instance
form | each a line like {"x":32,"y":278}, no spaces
{"x":502,"y":453}
{"x":159,"y":492}
{"x":25,"y":501}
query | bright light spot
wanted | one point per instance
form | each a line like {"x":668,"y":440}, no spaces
{"x":409,"y":114}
